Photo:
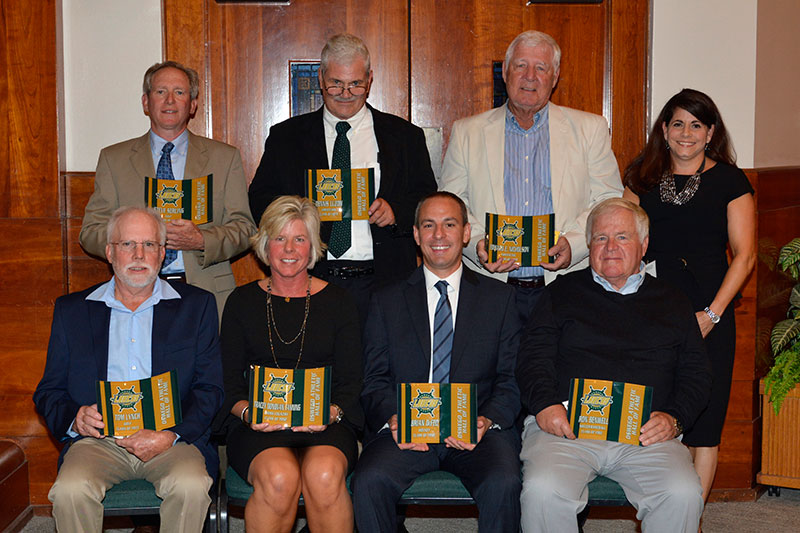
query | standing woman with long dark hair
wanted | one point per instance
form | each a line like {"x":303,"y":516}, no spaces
{"x":698,"y":202}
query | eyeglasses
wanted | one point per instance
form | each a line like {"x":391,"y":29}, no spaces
{"x":150,"y":247}
{"x":356,"y":89}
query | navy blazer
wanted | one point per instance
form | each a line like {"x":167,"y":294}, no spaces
{"x":298,"y":144}
{"x":185,"y":338}
{"x":397,"y":342}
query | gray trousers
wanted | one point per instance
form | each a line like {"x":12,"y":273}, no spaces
{"x":659,"y":480}
{"x":92,"y":466}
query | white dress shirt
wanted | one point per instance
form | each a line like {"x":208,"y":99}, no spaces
{"x":363,"y":154}
{"x":453,"y":286}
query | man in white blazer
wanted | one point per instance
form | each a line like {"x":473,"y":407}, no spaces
{"x":531,"y":157}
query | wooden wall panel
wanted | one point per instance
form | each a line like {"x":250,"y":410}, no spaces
{"x":31,"y":252}
{"x":28,"y":105}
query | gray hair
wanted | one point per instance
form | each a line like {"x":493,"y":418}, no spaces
{"x":533,"y":38}
{"x":639,"y":216}
{"x":280,"y":212}
{"x":194,"y":79}
{"x":343,"y":48}
{"x":128,"y":209}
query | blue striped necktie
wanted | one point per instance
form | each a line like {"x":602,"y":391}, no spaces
{"x":442,"y":336}
{"x":164,"y":172}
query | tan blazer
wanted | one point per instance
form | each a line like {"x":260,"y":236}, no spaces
{"x":583,"y":172}
{"x":119,"y":181}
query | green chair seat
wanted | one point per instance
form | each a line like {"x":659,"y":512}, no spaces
{"x":135,"y":496}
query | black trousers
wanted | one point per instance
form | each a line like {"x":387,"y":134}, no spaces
{"x":490,"y":472}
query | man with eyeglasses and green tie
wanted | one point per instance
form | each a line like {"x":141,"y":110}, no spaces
{"x":347,"y":133}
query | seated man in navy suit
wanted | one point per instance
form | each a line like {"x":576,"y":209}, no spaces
{"x":479,"y":345}
{"x":132,"y":327}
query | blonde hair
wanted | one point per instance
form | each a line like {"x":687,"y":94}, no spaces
{"x":280,"y":212}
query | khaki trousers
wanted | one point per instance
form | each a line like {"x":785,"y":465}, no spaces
{"x":92,"y":466}
{"x":659,"y":480}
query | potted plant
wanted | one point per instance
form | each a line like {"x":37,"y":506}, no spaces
{"x":785,"y":338}
{"x":780,"y":455}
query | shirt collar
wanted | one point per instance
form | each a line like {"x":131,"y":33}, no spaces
{"x":539,"y":119}
{"x":631,"y":285}
{"x":181,"y":143}
{"x":355,"y":121}
{"x":105,"y":293}
{"x":454,"y":279}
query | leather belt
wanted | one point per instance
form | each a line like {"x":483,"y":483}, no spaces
{"x":349,"y":272}
{"x":527,"y":283}
{"x":176,"y":276}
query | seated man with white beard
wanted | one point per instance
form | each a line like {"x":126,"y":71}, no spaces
{"x":132,"y":327}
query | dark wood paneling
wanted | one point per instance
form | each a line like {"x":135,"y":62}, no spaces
{"x":31,"y":257}
{"x":29,"y":160}
{"x":629,"y":56}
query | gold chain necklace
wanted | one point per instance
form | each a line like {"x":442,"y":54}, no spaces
{"x":272,"y":325}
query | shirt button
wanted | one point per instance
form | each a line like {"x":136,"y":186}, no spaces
{"x":133,"y":340}
{"x":526,"y":180}
{"x":526,"y":158}
{"x":526,"y":202}
{"x":133,"y":367}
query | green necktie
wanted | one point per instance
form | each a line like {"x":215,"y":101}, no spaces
{"x":340,"y":233}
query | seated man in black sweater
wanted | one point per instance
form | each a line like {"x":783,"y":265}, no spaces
{"x":612,"y":322}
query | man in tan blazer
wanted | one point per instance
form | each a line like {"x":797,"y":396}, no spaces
{"x":531,"y":157}
{"x":170,"y":100}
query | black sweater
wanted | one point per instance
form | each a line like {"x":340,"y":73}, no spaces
{"x":580,"y":330}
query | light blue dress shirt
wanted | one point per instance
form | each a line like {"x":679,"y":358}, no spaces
{"x":526,"y":172}
{"x":178,"y":158}
{"x":130,"y":333}
{"x":633,"y":282}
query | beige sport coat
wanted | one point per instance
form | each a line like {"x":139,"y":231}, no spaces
{"x":119,"y":180}
{"x":583,"y":172}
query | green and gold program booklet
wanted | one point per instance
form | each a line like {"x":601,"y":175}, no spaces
{"x":431,"y":412}
{"x":189,"y":199}
{"x":299,"y":397}
{"x":608,"y":410}
{"x":128,"y":406}
{"x":341,"y":194}
{"x":524,"y":239}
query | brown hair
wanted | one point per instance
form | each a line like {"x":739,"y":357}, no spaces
{"x":649,"y":166}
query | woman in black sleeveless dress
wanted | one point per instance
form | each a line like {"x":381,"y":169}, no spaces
{"x":292,"y":320}
{"x":698,"y":202}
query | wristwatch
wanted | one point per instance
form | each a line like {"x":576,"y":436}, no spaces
{"x":677,"y":425}
{"x":339,"y":413}
{"x":712,"y":315}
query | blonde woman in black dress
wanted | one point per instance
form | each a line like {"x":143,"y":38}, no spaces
{"x":699,"y":203}
{"x":292,"y":320}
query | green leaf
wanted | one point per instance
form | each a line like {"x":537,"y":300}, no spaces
{"x":789,"y":257}
{"x":783,"y":334}
{"x":794,"y":298}
{"x":783,"y":376}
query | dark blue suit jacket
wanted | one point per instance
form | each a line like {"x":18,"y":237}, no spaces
{"x":397,"y":342}
{"x":185,"y":338}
